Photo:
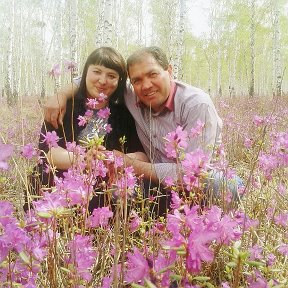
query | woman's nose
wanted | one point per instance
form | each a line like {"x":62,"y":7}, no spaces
{"x":102,"y":79}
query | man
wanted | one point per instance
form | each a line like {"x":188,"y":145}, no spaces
{"x":159,"y":105}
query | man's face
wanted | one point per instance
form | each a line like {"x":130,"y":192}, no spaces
{"x":151,"y":82}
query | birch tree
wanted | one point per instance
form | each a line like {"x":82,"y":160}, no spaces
{"x":10,"y":96}
{"x":252,"y":49}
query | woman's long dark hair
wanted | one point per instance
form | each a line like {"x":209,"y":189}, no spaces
{"x":112,"y":59}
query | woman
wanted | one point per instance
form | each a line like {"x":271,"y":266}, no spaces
{"x":104,"y":73}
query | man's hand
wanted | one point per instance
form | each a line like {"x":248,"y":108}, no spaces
{"x":55,"y":109}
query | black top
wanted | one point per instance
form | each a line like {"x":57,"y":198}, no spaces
{"x":120,"y":119}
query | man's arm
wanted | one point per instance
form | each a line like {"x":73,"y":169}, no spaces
{"x":140,"y":162}
{"x":55,"y":107}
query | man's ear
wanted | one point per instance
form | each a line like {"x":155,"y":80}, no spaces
{"x":170,"y":71}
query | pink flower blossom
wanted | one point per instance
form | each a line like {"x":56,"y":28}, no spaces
{"x":100,"y":217}
{"x":257,"y":281}
{"x":175,"y":200}
{"x":169,"y":181}
{"x":6,"y":150}
{"x":256,"y":252}
{"x":176,"y":142}
{"x":82,"y":256}
{"x":282,"y":219}
{"x":28,"y":151}
{"x":196,"y":131}
{"x":51,"y":139}
{"x":108,"y":128}
{"x":248,"y":142}
{"x":88,"y":113}
{"x":137,"y":267}
{"x":258,"y":120}
{"x":103,"y":113}
{"x":70,"y":65}
{"x":55,"y":71}
{"x":198,"y":248}
{"x":92,"y":103}
{"x":82,"y":121}
{"x":102,"y":97}
{"x":135,"y":221}
{"x":283,"y":249}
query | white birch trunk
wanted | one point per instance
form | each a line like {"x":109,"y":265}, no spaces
{"x":73,"y":27}
{"x":9,"y":73}
{"x":277,"y":89}
{"x":252,"y":50}
{"x":108,"y":23}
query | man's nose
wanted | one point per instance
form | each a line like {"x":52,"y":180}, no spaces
{"x":146,"y":84}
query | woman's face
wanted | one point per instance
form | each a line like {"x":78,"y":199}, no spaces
{"x":100,"y":79}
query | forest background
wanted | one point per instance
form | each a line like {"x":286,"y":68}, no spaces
{"x":243,"y":50}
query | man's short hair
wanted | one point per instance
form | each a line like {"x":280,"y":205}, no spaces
{"x":157,"y":53}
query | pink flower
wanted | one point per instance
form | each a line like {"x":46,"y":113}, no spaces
{"x":51,"y":139}
{"x":257,"y":120}
{"x":175,"y":200}
{"x":282,"y":219}
{"x":169,"y":181}
{"x":135,"y":222}
{"x":102,"y":97}
{"x":55,"y":71}
{"x":28,"y":151}
{"x":88,"y":113}
{"x":82,"y":256}
{"x":176,"y":142}
{"x":283,"y":249}
{"x":108,"y":128}
{"x":51,"y":203}
{"x":198,"y":248}
{"x":248,"y":142}
{"x":100,"y":217}
{"x":256,"y":252}
{"x":257,"y":281}
{"x":6,"y":151}
{"x":270,"y":259}
{"x":92,"y":103}
{"x":196,"y":131}
{"x":70,"y":65}
{"x":82,"y":121}
{"x":103,"y":113}
{"x":137,"y":267}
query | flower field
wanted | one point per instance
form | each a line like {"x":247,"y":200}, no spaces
{"x":202,"y":242}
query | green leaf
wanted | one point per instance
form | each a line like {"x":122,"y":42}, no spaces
{"x":134,"y":285}
{"x":65,"y":269}
{"x":231,"y":264}
{"x":201,"y":278}
{"x":176,"y":277}
{"x":44,"y":214}
{"x":255,"y":263}
{"x":149,"y":284}
{"x":24,"y":257}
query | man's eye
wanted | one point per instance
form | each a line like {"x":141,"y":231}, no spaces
{"x":135,"y":82}
{"x":96,"y":71}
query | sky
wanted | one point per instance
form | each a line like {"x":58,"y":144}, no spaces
{"x":198,"y":13}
